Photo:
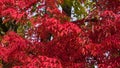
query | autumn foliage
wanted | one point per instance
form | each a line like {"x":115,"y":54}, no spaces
{"x":36,"y":34}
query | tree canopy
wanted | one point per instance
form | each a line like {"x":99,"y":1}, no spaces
{"x":59,"y":33}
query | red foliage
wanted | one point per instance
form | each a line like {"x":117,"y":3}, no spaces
{"x":106,"y":5}
{"x":15,"y":9}
{"x":53,"y":43}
